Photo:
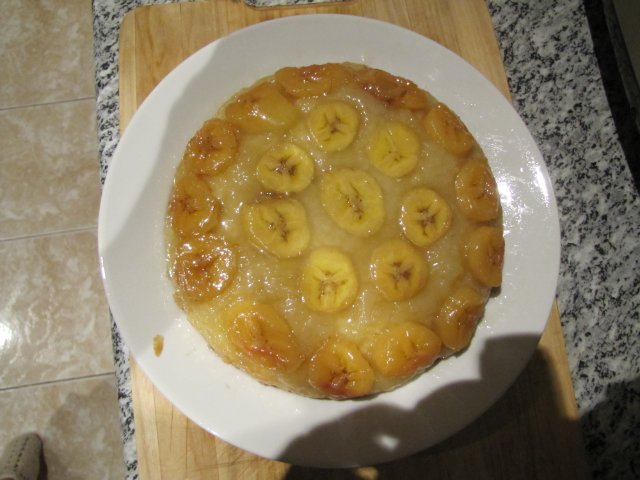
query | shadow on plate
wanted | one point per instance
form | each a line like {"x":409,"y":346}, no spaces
{"x":525,"y":434}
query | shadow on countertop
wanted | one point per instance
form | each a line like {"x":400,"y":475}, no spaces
{"x":617,"y":79}
{"x":618,"y":455}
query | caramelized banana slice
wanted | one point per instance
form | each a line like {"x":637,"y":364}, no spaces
{"x":285,"y":168}
{"x":484,"y":254}
{"x":447,"y":130}
{"x":339,"y":369}
{"x":193,"y":209}
{"x":278,"y":226}
{"x":262,"y":337}
{"x":457,"y":320}
{"x":334,"y":125}
{"x":404,"y":349}
{"x":399,"y":270}
{"x":329,"y":282}
{"x":353,"y":199}
{"x":477,"y":192}
{"x":395,"y":91}
{"x":394,"y":149}
{"x":425,"y":216}
{"x":312,"y":80}
{"x":203,"y":268}
{"x":262,"y":109}
{"x":212,"y":149}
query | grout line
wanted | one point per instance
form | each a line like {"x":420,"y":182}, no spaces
{"x":62,"y":380}
{"x":44,"y":104}
{"x":53,"y":233}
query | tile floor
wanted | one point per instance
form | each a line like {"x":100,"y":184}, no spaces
{"x":56,"y":363}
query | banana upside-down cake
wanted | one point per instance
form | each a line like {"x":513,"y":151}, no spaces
{"x":334,"y":230}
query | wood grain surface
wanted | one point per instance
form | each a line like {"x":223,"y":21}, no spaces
{"x":533,"y":431}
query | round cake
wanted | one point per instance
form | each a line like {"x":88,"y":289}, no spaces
{"x":334,"y":230}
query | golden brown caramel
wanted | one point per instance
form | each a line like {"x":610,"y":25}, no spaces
{"x":212,"y":149}
{"x":484,"y":253}
{"x":312,"y":80}
{"x":340,"y":370}
{"x":477,"y":192}
{"x":395,"y":91}
{"x":262,"y":109}
{"x":404,"y":349}
{"x":445,"y":128}
{"x":456,"y":322}
{"x":193,"y":208}
{"x":262,"y":336}
{"x":158,"y":345}
{"x":202,"y":268}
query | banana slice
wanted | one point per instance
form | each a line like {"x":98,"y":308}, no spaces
{"x":484,"y":255}
{"x":458,"y":317}
{"x":425,"y":216}
{"x":262,"y":109}
{"x":212,"y":149}
{"x":340,"y":370}
{"x":394,"y":149}
{"x":203,"y":268}
{"x":262,"y":337}
{"x":334,"y":125}
{"x":477,"y":192}
{"x":447,"y":130}
{"x":286,"y":168}
{"x":193,"y":209}
{"x":329,"y":282}
{"x":278,"y":226}
{"x":399,"y":270}
{"x":395,"y":91}
{"x":404,"y":349}
{"x":353,"y":199}
{"x":312,"y":80}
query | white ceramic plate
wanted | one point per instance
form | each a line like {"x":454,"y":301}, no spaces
{"x":265,"y":420}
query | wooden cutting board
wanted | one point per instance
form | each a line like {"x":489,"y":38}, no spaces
{"x":533,"y":431}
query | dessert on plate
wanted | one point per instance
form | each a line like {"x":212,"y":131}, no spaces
{"x":334,"y":230}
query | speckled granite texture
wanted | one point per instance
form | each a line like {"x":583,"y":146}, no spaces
{"x":557,"y":89}
{"x":556,"y":86}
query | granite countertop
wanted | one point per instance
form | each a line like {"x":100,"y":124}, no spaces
{"x":557,"y":88}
